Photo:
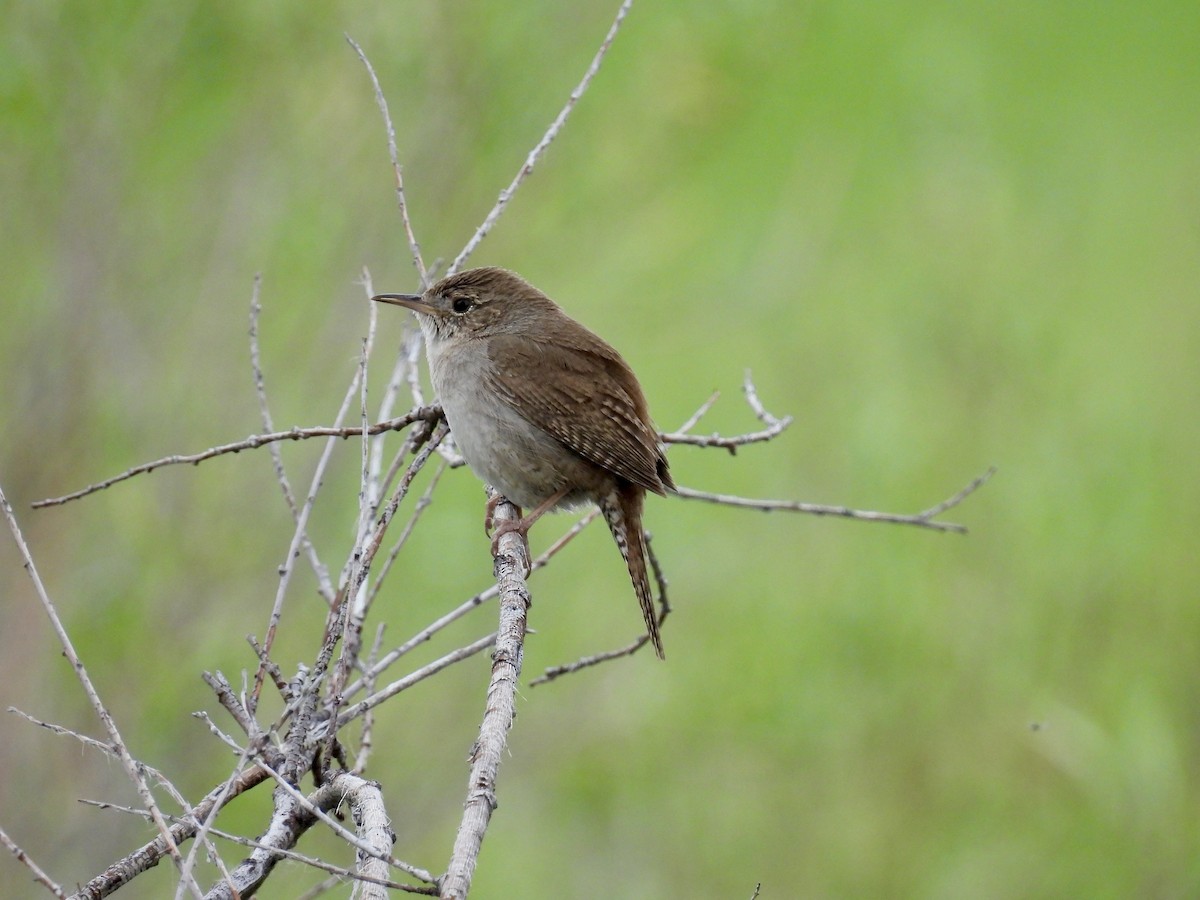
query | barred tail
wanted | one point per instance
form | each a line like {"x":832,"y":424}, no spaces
{"x":622,"y":511}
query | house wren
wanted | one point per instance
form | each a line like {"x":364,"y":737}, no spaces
{"x":542,"y":409}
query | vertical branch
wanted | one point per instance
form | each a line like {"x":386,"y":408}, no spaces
{"x":427,"y":437}
{"x":264,"y":411}
{"x":293,"y":548}
{"x":499,"y":714}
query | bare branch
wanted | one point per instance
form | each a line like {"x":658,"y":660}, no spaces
{"x":84,"y":739}
{"x":473,"y":603}
{"x":427,"y":413}
{"x":201,"y":836}
{"x":629,"y":649}
{"x":586,"y":662}
{"x":455,"y":656}
{"x":264,"y":412}
{"x":695,"y":417}
{"x":127,"y":761}
{"x":340,"y":873}
{"x":775,"y":426}
{"x":38,"y":875}
{"x":228,"y":699}
{"x":381,"y":101}
{"x":751,"y":393}
{"x":216,"y":732}
{"x":364,"y":553}
{"x":536,"y":153}
{"x":730,"y":443}
{"x":270,"y":667}
{"x":366,"y":740}
{"x":511,"y":563}
{"x":921,"y":520}
{"x":422,"y":504}
{"x":149,"y":855}
{"x":374,"y":829}
{"x":938,"y":508}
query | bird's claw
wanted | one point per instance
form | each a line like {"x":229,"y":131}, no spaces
{"x":511,"y":526}
{"x":489,"y":513}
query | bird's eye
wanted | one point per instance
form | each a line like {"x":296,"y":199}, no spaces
{"x":462,"y":304}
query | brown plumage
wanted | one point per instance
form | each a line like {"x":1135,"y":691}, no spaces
{"x":542,"y":409}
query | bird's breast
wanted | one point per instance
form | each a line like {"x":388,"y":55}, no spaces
{"x":503,"y":448}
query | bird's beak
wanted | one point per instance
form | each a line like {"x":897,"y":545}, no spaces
{"x":415,"y":302}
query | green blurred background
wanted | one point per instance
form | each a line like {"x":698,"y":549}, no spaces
{"x":943,"y":236}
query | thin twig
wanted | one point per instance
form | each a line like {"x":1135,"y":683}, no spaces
{"x":775,"y":426}
{"x":364,"y":553}
{"x":422,"y":504}
{"x":366,"y":740}
{"x":340,"y":872}
{"x":215,"y":731}
{"x":413,"y":245}
{"x":427,"y":413}
{"x":695,"y":417}
{"x":350,"y":713}
{"x":536,"y":153}
{"x":360,"y":600}
{"x":920,"y":520}
{"x":201,"y":836}
{"x":127,"y":761}
{"x":268,"y":423}
{"x":425,"y":634}
{"x":751,"y":393}
{"x":38,"y":874}
{"x":938,"y":508}
{"x":228,"y":699}
{"x":586,"y":662}
{"x":730,"y":442}
{"x":270,"y":667}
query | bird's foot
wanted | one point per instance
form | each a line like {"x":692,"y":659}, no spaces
{"x":489,"y":513}
{"x":517,"y":526}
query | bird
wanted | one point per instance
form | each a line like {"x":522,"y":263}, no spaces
{"x":542,"y":409}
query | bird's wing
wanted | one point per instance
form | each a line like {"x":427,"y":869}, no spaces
{"x":584,"y":395}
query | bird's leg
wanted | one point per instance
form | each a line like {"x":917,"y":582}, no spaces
{"x":489,"y":512}
{"x":521,"y":524}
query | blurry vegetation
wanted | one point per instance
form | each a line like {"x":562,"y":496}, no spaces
{"x":943,"y":235}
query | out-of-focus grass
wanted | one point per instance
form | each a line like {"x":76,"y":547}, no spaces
{"x":943,"y":237}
